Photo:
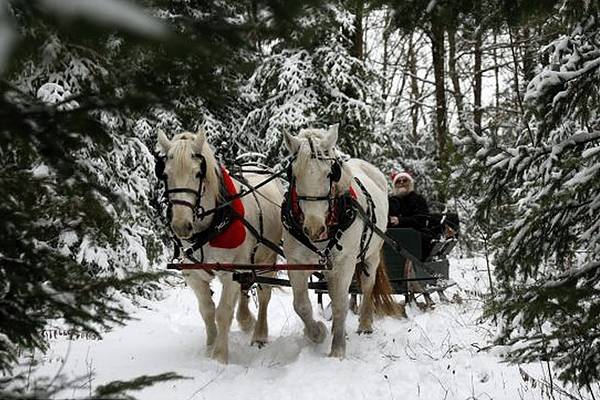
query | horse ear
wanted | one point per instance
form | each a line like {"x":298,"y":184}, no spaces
{"x":199,"y":139}
{"x":163,"y":141}
{"x":330,"y":139}
{"x":291,"y":142}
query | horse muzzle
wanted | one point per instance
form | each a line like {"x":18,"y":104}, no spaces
{"x":183,"y":230}
{"x":315,"y":230}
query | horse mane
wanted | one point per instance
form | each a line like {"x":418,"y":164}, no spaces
{"x":303,"y":156}
{"x":183,"y":150}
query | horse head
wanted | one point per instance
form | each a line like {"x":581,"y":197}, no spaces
{"x":317,"y":176}
{"x":190,"y":174}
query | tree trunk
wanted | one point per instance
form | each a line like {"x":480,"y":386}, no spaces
{"x":353,"y":137}
{"x":497,"y":82}
{"x":384,"y":67}
{"x":438,"y":55}
{"x":528,"y":55}
{"x":477,"y":84}
{"x":357,"y":49}
{"x":414,"y":90}
{"x":457,"y":92}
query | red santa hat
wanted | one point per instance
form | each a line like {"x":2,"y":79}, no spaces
{"x":403,"y":174}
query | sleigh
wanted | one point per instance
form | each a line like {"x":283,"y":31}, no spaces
{"x":430,"y":248}
{"x":424,"y":273}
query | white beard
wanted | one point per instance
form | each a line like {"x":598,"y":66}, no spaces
{"x":402,"y":191}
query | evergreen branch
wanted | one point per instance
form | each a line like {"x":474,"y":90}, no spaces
{"x":117,"y":389}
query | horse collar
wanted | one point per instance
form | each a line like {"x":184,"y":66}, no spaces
{"x":340,"y":215}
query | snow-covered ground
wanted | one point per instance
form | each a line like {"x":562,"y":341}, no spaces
{"x":433,"y":354}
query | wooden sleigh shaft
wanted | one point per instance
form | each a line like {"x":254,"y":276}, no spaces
{"x":246,"y":267}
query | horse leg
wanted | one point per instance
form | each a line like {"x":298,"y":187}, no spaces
{"x":367,"y":282}
{"x":354,"y":304}
{"x":243,"y":315}
{"x":261,"y":329}
{"x":224,"y":317}
{"x":409,"y":274}
{"x":314,"y":330}
{"x":201,"y":288}
{"x":339,"y":283}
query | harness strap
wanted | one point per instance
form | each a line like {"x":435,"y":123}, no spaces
{"x":346,"y":217}
{"x":241,"y":178}
{"x":262,"y":239}
{"x":182,"y":190}
{"x":240,"y":194}
{"x":367,"y":234}
{"x":182,"y":203}
{"x":393,"y":243}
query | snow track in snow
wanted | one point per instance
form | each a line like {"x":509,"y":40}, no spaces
{"x":432,"y":354}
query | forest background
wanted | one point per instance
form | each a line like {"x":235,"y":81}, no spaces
{"x":492,"y":105}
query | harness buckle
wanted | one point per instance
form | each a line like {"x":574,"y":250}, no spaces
{"x":325,"y":258}
{"x":189,"y":253}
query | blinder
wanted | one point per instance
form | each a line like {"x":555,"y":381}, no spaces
{"x":159,"y":167}
{"x":202,"y":173}
{"x":335,"y":174}
{"x":336,"y":171}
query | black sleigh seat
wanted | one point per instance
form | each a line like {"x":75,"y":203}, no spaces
{"x":443,"y":232}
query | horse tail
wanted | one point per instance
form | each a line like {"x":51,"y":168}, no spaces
{"x":381,"y":296}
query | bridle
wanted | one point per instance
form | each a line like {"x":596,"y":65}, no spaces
{"x":196,"y":208}
{"x":334,"y":175}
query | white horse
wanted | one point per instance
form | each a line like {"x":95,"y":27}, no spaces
{"x":196,"y":184}
{"x":319,"y":178}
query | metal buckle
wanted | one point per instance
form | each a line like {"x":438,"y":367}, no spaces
{"x":188,"y":252}
{"x":325,"y":258}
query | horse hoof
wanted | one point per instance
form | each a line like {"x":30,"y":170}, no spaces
{"x":220,"y":357}
{"x":259,"y":343}
{"x":322,"y":334}
{"x":337,"y":354}
{"x":364,"y":331}
{"x":318,"y":334}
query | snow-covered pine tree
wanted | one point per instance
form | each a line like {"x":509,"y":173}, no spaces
{"x":311,"y":79}
{"x":61,"y":237}
{"x":546,"y":178}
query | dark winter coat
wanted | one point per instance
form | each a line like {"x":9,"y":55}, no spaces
{"x":411,"y":209}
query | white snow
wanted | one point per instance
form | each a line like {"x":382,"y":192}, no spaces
{"x":434,"y":354}
{"x":41,"y":171}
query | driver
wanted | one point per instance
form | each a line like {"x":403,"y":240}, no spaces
{"x":407,"y":208}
